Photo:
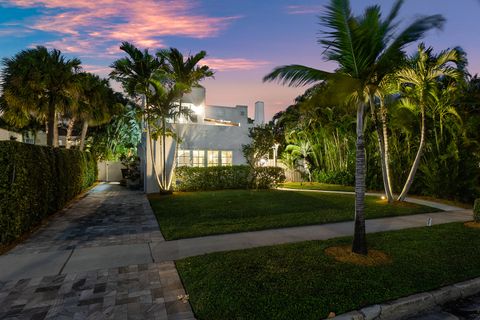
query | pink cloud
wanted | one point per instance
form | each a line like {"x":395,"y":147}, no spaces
{"x":89,"y":26}
{"x":232,"y":64}
{"x":304,"y":9}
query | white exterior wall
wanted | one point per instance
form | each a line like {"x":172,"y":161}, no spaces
{"x":5,"y":135}
{"x":259,"y":113}
{"x":212,"y":137}
{"x":217,"y":128}
{"x":110,"y":171}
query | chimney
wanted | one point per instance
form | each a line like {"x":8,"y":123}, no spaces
{"x":259,"y":113}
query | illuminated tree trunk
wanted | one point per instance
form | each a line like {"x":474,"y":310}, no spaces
{"x":359,"y":237}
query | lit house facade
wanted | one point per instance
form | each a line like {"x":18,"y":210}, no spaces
{"x":213,"y":136}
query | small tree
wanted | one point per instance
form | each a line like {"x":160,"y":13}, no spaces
{"x":262,"y":142}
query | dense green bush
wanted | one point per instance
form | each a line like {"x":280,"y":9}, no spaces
{"x":476,"y":210}
{"x":36,"y":181}
{"x":268,"y":177}
{"x":212,"y":178}
{"x":231,"y":177}
{"x":345,"y":178}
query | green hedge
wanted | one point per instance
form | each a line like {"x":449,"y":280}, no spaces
{"x":231,"y":177}
{"x":36,"y":181}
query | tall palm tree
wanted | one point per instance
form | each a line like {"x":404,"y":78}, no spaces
{"x":366,"y":50}
{"x":134,"y":73}
{"x":184,"y":73}
{"x":39,"y":82}
{"x":420,"y":83}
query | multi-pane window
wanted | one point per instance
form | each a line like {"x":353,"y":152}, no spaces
{"x":227,"y":158}
{"x":198,"y":158}
{"x":212,"y":156}
{"x":183,"y":158}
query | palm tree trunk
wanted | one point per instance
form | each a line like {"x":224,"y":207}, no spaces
{"x":52,"y":134}
{"x":381,"y":147}
{"x":68,"y":138}
{"x":152,"y":155}
{"x":359,"y":237}
{"x":164,"y":150}
{"x":84,"y":135}
{"x":383,"y":119}
{"x":416,"y":162}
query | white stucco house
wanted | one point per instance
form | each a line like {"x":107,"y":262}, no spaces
{"x":214,"y":137}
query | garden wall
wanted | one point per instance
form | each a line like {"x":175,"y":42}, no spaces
{"x":36,"y":181}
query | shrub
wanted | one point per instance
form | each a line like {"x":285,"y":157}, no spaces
{"x":212,"y":178}
{"x":36,"y":181}
{"x":268,"y":177}
{"x":476,"y":211}
{"x":231,"y":177}
{"x":345,"y":178}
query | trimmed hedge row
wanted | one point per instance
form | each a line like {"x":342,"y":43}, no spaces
{"x":36,"y":181}
{"x":231,"y":177}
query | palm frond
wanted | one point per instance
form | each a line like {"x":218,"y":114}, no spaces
{"x":297,"y":75}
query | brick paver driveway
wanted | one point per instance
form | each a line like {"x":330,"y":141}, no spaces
{"x":93,"y":261}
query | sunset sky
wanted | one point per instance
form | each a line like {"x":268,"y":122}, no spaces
{"x":244,"y":39}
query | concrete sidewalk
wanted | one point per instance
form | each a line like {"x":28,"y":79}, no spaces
{"x":178,"y":249}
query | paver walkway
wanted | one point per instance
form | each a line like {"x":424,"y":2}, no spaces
{"x":93,"y":261}
{"x":104,"y":257}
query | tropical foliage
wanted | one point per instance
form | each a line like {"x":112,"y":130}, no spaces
{"x":43,"y":90}
{"x":159,"y":82}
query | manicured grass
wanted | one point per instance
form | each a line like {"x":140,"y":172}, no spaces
{"x":192,"y":214}
{"x":298,"y":281}
{"x":317,"y":186}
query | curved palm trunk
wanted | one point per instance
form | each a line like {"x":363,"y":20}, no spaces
{"x":416,"y":162}
{"x":68,"y":142}
{"x":387,"y":155}
{"x":383,"y":148}
{"x":84,"y":135}
{"x":164,"y":151}
{"x":359,"y":237}
{"x":152,"y":155}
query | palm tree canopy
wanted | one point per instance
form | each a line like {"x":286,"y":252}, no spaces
{"x":365,"y":47}
{"x":184,"y":70}
{"x":134,"y":71}
{"x":34,"y":80}
{"x":420,"y":80}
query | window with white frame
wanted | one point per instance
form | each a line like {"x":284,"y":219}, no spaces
{"x":212,"y":158}
{"x":198,"y":158}
{"x":183,"y":158}
{"x":227,"y":158}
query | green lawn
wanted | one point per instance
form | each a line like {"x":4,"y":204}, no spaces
{"x":317,"y":186}
{"x":192,"y":214}
{"x":298,"y":281}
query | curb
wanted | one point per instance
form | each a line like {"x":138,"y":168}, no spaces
{"x":409,"y":306}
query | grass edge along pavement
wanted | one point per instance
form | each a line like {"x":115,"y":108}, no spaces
{"x":193,"y":214}
{"x":299,"y":281}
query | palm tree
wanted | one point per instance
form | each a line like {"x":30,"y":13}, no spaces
{"x":39,"y":82}
{"x":134,"y":73}
{"x":420,"y":83}
{"x":184,"y":74}
{"x":159,"y":80}
{"x":366,"y":49}
{"x":96,"y":103}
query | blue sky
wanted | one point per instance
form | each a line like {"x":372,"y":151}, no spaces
{"x":244,"y":39}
